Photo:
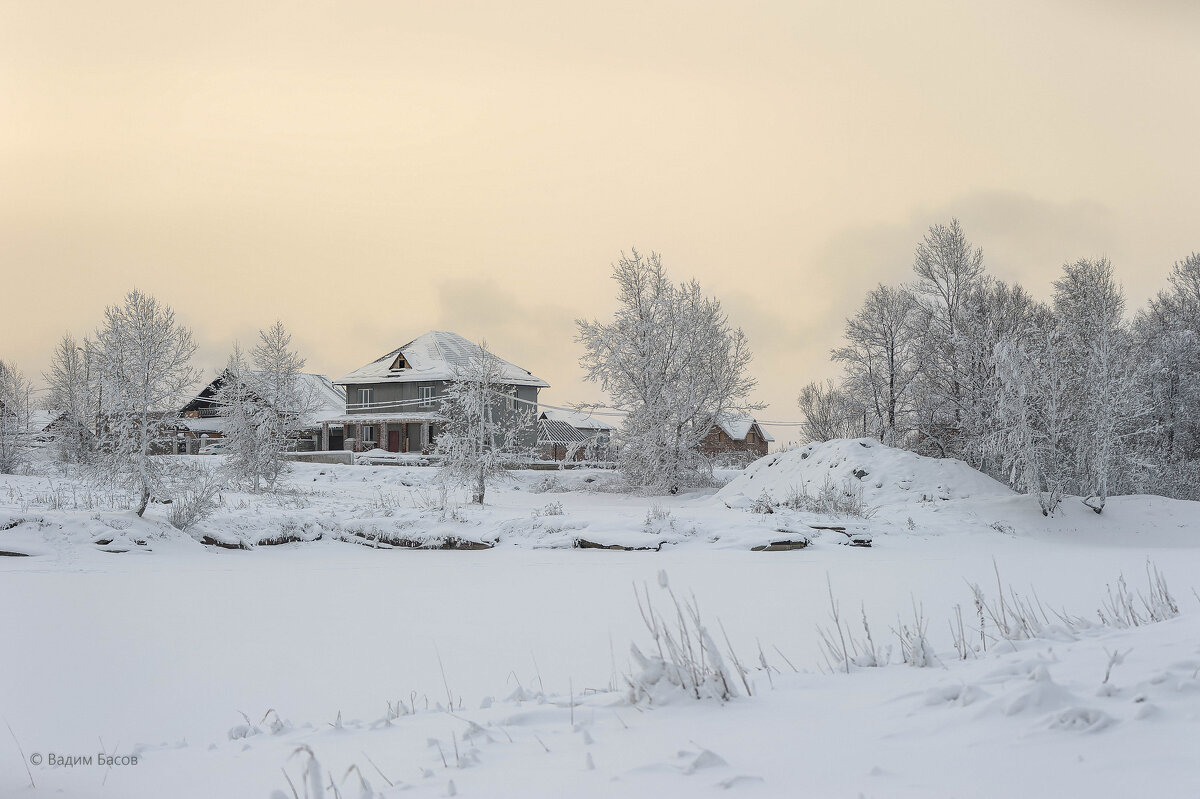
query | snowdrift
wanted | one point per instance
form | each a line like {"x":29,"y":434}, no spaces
{"x":886,"y":475}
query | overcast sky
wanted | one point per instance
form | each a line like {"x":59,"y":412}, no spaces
{"x":367,"y":171}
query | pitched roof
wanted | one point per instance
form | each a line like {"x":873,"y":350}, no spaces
{"x":327,"y":401}
{"x":737,"y":426}
{"x":556,"y":431}
{"x":436,"y":355}
{"x":576,"y":419}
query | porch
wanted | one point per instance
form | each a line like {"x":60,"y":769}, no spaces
{"x":393,"y":432}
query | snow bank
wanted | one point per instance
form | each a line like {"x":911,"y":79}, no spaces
{"x":886,"y":475}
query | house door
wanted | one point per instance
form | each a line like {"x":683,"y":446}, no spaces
{"x":393,"y":441}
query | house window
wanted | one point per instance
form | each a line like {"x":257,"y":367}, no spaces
{"x":510,"y":399}
{"x":366,"y":396}
{"x":368,"y":432}
{"x":426,"y":393}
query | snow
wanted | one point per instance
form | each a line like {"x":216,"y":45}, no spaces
{"x":886,"y":475}
{"x":436,"y":355}
{"x":352,"y":651}
{"x":581,"y":421}
{"x":736,"y":426}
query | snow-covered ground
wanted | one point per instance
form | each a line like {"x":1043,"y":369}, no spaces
{"x":506,"y":671}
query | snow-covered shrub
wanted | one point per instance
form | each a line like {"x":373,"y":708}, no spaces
{"x":833,"y":500}
{"x":658,"y":517}
{"x":763,"y":504}
{"x":547,"y":484}
{"x":684,"y":659}
{"x":197,"y":497}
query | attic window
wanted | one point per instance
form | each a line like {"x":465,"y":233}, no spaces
{"x":400,"y":363}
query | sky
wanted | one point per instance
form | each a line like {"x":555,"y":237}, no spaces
{"x":367,"y":171}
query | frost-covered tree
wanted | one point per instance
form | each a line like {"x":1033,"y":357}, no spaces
{"x":1032,"y":429}
{"x":948,"y":268}
{"x":247,"y":429}
{"x":881,"y":359}
{"x":672,"y":362}
{"x":829,"y":413}
{"x":1069,"y":398}
{"x":16,"y":403}
{"x":993,"y":312}
{"x":71,"y":393}
{"x":266,"y":403}
{"x":481,"y":437}
{"x":1167,"y":345}
{"x":144,"y":362}
{"x":1108,"y":393}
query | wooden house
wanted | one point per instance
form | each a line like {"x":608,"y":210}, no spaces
{"x":394,"y":402}
{"x":201,"y":420}
{"x":736,"y":438}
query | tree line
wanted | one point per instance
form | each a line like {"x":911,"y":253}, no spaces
{"x":1067,"y":396}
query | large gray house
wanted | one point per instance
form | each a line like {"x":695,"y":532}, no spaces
{"x":393,"y":403}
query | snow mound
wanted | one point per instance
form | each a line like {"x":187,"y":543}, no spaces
{"x":885,"y":474}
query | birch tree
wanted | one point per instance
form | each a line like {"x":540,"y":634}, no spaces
{"x":16,"y":405}
{"x":266,"y":404}
{"x":829,"y":412}
{"x":246,"y":434}
{"x":1167,"y":344}
{"x":480,"y":439}
{"x":882,"y":358}
{"x":947,"y":269}
{"x":670,"y":360}
{"x":1107,"y":392}
{"x":1033,"y":427}
{"x":144,"y":361}
{"x":70,"y":392}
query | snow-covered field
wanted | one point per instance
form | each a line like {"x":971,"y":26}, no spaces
{"x":506,"y":671}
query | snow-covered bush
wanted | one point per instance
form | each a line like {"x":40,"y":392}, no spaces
{"x":845,"y":499}
{"x":197,"y":497}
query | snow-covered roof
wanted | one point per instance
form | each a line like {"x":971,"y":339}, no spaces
{"x":737,"y":426}
{"x":436,"y":355}
{"x":40,"y":420}
{"x":329,"y":401}
{"x":581,"y":421}
{"x":207,"y":424}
